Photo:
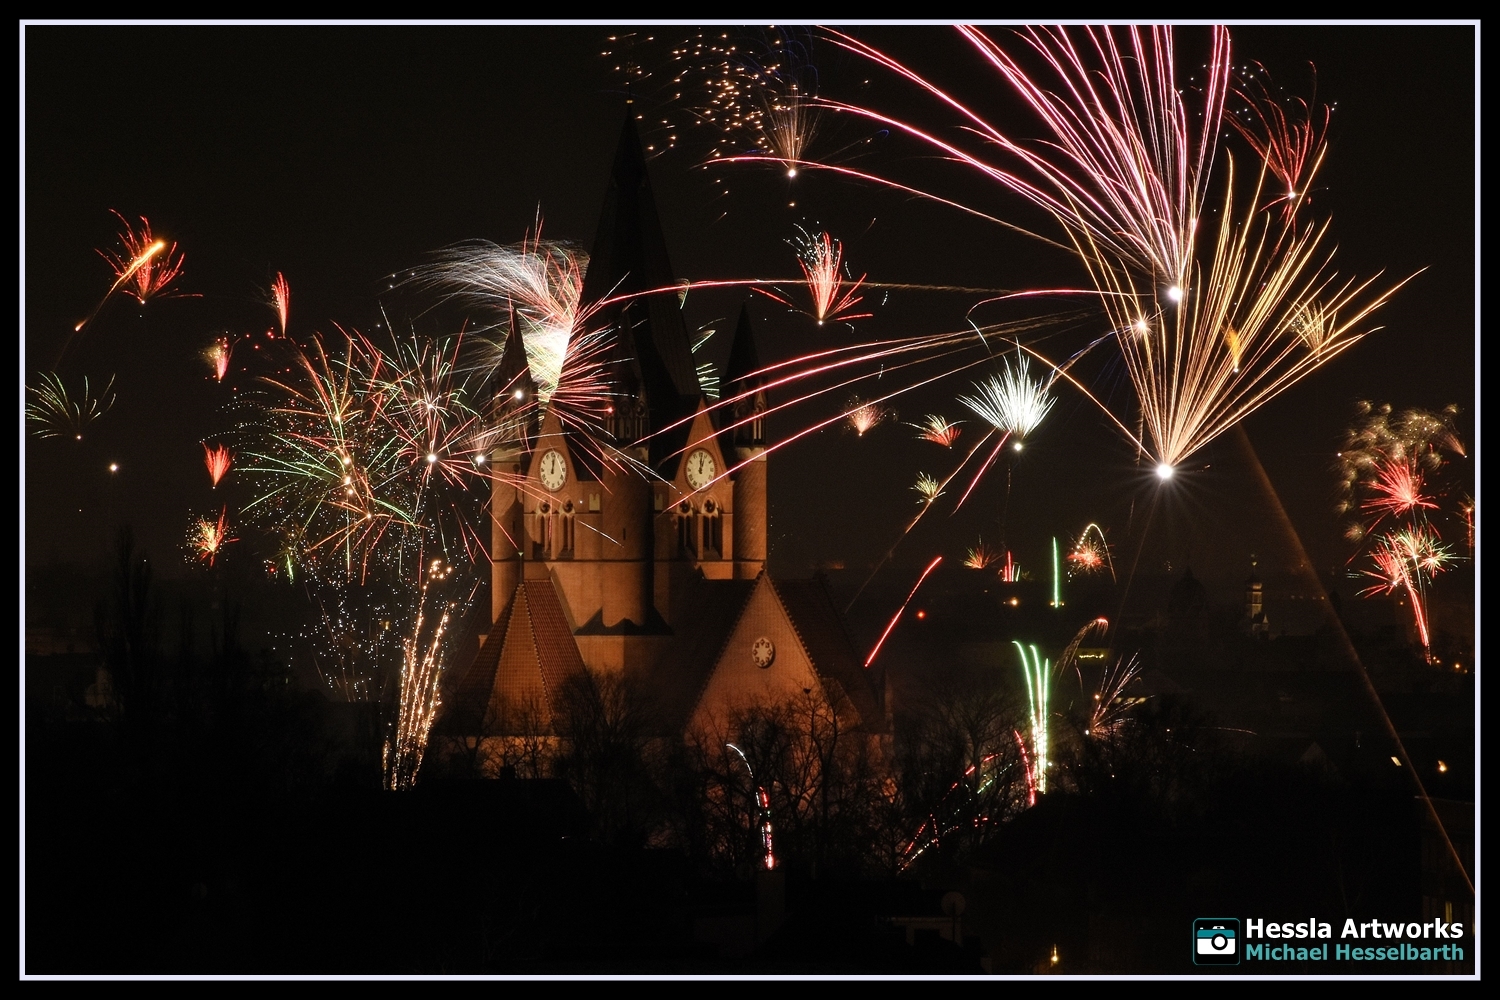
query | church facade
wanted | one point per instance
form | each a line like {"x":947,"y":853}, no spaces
{"x":646,"y":558}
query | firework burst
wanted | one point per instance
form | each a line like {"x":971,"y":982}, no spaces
{"x":928,"y":488}
{"x":938,"y":430}
{"x":207,"y":537}
{"x":1405,"y":561}
{"x":218,"y":460}
{"x":538,"y":282}
{"x":864,"y":417}
{"x":834,"y":292}
{"x":1090,"y":553}
{"x":1011,"y":402}
{"x":1290,"y":136}
{"x":218,"y":355}
{"x":981,"y":556}
{"x":52,"y":412}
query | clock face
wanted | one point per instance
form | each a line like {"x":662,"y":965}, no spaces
{"x":700,"y":469}
{"x":763,"y":652}
{"x":554,"y":470}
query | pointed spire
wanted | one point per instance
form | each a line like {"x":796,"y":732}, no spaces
{"x":743,"y":358}
{"x":629,"y":259}
{"x":513,"y":378}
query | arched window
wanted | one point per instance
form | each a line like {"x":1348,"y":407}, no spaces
{"x":713,"y":530}
{"x":687,"y":529}
{"x":565,"y":534}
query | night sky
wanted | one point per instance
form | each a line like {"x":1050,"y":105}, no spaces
{"x":340,"y":155}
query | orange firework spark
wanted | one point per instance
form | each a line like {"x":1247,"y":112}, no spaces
{"x":864,"y":416}
{"x":217,"y":354}
{"x":149,"y":265}
{"x":980,"y":556}
{"x":208,"y":538}
{"x":218,"y":459}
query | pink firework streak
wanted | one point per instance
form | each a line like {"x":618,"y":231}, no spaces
{"x":1397,"y":490}
{"x":900,"y":611}
{"x":938,"y":430}
{"x":281,"y":299}
{"x":218,"y":460}
{"x":834,"y":295}
{"x":1404,"y":560}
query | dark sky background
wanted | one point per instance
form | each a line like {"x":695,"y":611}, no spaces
{"x":338,"y":155}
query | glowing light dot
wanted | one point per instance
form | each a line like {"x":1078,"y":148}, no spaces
{"x":1174,"y":293}
{"x":520,"y":393}
{"x":1164,"y":472}
{"x":1141,"y":326}
{"x":791,"y":172}
{"x":114,"y":467}
{"x":431,"y":458}
{"x":1018,"y":446}
{"x":1442,"y":768}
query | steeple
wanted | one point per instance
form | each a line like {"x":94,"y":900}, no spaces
{"x":630,"y":269}
{"x":743,"y":384}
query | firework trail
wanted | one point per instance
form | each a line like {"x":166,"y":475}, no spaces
{"x":1038,"y":674}
{"x":421,"y":697}
{"x":1211,"y":325}
{"x":834,"y":292}
{"x":1091,"y":554}
{"x":900,"y":611}
{"x":217,"y":459}
{"x":54,"y":413}
{"x":938,"y":430}
{"x":1011,"y":571}
{"x":763,"y":806}
{"x":207,"y":537}
{"x":281,"y":301}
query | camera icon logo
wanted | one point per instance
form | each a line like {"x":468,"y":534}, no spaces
{"x":1216,"y":941}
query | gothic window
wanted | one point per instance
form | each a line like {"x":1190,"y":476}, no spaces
{"x":687,"y":529}
{"x":566,"y":526}
{"x":546,"y":526}
{"x":713,"y":530}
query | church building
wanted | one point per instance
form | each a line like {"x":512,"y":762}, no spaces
{"x":645,"y":559}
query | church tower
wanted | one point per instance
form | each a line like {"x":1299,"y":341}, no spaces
{"x":515,"y":409}
{"x":747,"y":388}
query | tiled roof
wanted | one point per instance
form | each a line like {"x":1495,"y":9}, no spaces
{"x":678,"y":679}
{"x":821,"y":629}
{"x":527,"y":659}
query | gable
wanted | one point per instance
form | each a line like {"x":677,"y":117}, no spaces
{"x":737,"y":681}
